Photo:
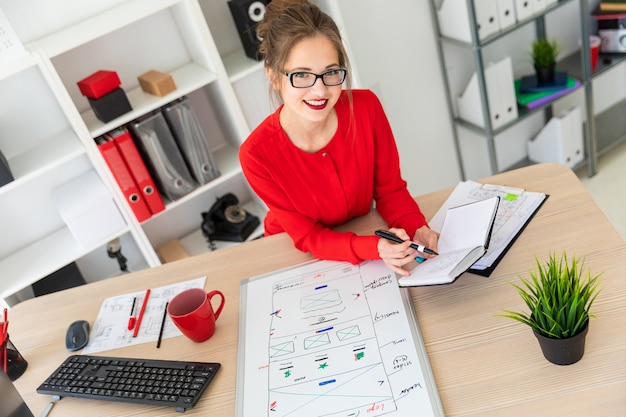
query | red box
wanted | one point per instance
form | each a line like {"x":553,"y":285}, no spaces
{"x":99,"y":83}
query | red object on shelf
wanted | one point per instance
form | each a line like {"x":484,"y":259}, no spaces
{"x":138,"y":170}
{"x":124,"y":179}
{"x":99,"y":84}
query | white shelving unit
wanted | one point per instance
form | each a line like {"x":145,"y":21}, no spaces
{"x":47,"y":127}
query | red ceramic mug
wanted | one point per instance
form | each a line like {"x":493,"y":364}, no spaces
{"x":193,"y":314}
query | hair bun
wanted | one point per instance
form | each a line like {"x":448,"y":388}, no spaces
{"x":276,"y":8}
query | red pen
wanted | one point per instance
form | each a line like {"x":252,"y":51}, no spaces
{"x":141,"y":311}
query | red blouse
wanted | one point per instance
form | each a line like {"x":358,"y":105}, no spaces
{"x":309,"y":193}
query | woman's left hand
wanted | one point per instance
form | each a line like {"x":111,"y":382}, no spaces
{"x":396,"y":255}
{"x":427,"y":237}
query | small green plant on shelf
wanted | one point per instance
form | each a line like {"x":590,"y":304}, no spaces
{"x":544,"y":52}
{"x":559,"y":295}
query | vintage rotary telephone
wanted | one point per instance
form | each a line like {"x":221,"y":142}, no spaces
{"x":225,"y":220}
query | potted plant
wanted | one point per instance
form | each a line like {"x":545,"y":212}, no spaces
{"x":543,"y":54}
{"x":559,"y":295}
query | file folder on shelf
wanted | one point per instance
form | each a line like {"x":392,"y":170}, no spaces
{"x":126,"y":146}
{"x":454,"y":22}
{"x":560,"y":140}
{"x":188,"y":134}
{"x":500,"y":96}
{"x":124,"y":178}
{"x":506,"y":13}
{"x":162,"y":155}
{"x":526,"y":8}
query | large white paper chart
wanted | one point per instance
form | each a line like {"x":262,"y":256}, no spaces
{"x":331,"y":339}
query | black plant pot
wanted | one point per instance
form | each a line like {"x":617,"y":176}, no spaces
{"x":545,"y":75}
{"x":563,"y":351}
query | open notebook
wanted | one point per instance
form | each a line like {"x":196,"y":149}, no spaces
{"x":464,"y":239}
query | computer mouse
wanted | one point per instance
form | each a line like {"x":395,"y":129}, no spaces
{"x":77,"y":335}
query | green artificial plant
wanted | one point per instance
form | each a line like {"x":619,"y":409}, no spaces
{"x":559,"y":295}
{"x":544,"y":52}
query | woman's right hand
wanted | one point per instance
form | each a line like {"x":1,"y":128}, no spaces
{"x":396,"y":255}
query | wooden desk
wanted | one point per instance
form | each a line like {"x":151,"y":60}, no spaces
{"x":483,"y":365}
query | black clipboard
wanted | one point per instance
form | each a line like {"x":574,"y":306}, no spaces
{"x":487,"y":271}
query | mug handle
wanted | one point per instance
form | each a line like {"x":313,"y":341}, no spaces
{"x":221,"y":306}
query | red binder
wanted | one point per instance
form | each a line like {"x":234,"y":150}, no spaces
{"x":138,"y":169}
{"x":124,"y":179}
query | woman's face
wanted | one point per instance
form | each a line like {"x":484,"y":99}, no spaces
{"x":315,"y":103}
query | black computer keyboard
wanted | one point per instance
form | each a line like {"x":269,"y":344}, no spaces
{"x":144,"y":381}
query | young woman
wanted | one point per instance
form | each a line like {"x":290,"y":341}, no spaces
{"x":326,"y":154}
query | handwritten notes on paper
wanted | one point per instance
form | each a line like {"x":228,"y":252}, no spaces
{"x":331,"y":338}
{"x":110,"y":330}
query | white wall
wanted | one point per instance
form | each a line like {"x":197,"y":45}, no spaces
{"x":395,"y":52}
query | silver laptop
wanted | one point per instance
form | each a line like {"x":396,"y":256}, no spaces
{"x":11,"y":402}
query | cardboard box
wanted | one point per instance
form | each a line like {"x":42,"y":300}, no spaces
{"x":157,"y":83}
{"x":172,"y":251}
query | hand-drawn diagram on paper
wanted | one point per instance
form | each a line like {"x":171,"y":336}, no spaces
{"x":331,"y":339}
{"x":110,"y":331}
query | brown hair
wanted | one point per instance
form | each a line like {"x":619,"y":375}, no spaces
{"x":287,"y":22}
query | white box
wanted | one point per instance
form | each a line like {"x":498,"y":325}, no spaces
{"x":454,"y":19}
{"x":500,"y":96}
{"x":560,"y":140}
{"x":88,"y":210}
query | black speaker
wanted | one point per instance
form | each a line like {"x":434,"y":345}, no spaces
{"x":247,"y":14}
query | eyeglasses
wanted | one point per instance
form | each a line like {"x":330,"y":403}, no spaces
{"x":303,"y":79}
